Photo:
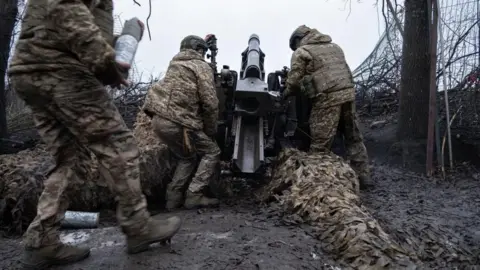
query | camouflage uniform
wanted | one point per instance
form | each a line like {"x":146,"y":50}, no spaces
{"x":184,"y":107}
{"x":319,"y":70}
{"x":59,"y":68}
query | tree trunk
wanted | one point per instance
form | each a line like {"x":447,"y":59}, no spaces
{"x":8,"y":15}
{"x":414,"y":83}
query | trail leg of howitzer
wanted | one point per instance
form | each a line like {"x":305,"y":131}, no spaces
{"x":248,"y":155}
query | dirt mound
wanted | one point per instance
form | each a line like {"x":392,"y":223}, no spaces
{"x":323,"y":191}
{"x":23,"y":174}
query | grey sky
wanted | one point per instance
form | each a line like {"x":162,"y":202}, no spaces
{"x":233,"y":22}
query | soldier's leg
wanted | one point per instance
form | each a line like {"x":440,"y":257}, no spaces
{"x":209,"y":151}
{"x":41,"y":240}
{"x":172,"y":134}
{"x":89,"y":112}
{"x":323,"y":126}
{"x":355,"y":148}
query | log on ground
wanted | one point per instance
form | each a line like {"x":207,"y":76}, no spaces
{"x":322,"y":189}
{"x":23,"y":174}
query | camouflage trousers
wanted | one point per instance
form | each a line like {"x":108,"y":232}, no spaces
{"x":73,"y":111}
{"x":186,"y":145}
{"x":324,"y":124}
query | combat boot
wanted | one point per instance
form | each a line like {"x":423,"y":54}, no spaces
{"x":174,"y":200}
{"x":58,"y":254}
{"x":159,"y":231}
{"x":196,"y":200}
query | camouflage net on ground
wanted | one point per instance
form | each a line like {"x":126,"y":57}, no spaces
{"x":22,"y":176}
{"x":323,"y":191}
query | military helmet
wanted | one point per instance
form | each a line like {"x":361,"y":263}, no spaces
{"x":297,"y":35}
{"x":194,"y":43}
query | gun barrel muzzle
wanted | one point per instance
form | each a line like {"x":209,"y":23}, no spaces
{"x":253,"y":69}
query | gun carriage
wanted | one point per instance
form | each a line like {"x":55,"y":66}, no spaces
{"x":255,"y":123}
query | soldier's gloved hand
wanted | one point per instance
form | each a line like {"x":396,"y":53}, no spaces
{"x":118,"y":77}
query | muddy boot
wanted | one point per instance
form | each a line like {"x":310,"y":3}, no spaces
{"x":196,"y":200}
{"x":365,"y":182}
{"x":159,"y":231}
{"x":174,"y":200}
{"x":53,"y":255}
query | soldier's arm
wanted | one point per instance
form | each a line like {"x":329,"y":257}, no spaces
{"x":208,"y":98}
{"x":76,"y":25}
{"x":298,"y":69}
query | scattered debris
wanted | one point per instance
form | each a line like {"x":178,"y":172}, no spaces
{"x":378,"y":124}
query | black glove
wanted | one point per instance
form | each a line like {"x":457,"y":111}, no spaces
{"x":114,"y":76}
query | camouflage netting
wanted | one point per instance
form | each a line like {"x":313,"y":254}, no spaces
{"x":323,"y":191}
{"x":23,"y":174}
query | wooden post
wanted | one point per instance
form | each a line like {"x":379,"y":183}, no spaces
{"x":433,"y":22}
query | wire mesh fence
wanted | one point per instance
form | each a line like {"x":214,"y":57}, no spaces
{"x":378,"y":77}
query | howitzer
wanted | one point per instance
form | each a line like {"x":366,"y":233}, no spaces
{"x":254,"y":122}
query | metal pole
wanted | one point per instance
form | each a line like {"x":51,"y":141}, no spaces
{"x":432,"y":22}
{"x":445,"y":91}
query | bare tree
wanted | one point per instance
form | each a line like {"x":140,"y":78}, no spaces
{"x":8,"y":15}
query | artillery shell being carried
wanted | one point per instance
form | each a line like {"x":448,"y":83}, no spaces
{"x":80,"y":220}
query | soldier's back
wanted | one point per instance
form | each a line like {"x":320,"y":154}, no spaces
{"x":176,"y":96}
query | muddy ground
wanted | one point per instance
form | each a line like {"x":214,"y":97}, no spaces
{"x":243,"y":235}
{"x":239,"y":236}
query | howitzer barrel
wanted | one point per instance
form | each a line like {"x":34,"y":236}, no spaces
{"x":253,"y":68}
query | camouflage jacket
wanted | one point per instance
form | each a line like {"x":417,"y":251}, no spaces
{"x":60,"y":34}
{"x":186,"y":95}
{"x":319,"y":69}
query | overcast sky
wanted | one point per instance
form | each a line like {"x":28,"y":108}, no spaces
{"x":234,"y":21}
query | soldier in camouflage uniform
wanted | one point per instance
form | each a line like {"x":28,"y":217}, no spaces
{"x":184,"y":111}
{"x":60,"y":67}
{"x":319,"y":70}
